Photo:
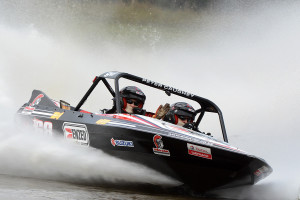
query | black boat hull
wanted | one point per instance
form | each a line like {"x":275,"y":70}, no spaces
{"x":192,"y":158}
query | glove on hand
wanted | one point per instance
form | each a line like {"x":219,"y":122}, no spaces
{"x":162,"y":111}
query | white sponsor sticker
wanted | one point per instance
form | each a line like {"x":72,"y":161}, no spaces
{"x":77,"y":132}
{"x":199,"y":151}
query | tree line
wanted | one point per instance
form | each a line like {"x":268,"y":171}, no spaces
{"x":175,"y":4}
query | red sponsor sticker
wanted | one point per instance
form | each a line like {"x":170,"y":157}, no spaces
{"x":199,"y":151}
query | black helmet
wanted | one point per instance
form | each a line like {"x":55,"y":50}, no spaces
{"x":180,"y":109}
{"x":132,"y":92}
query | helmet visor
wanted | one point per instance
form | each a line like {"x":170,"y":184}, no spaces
{"x":185,"y":114}
{"x":183,"y":118}
{"x":134,"y":101}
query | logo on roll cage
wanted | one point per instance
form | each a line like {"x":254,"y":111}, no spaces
{"x":159,"y":145}
{"x":165,"y":87}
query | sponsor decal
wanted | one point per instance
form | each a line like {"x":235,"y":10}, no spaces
{"x":41,"y":126}
{"x":152,"y":82}
{"x":56,"y":115}
{"x":199,"y":151}
{"x":261,"y":170}
{"x":102,"y":121}
{"x":29,"y":109}
{"x":121,"y":143}
{"x":165,"y":87}
{"x":37,"y":100}
{"x":159,"y":145}
{"x":76,"y":132}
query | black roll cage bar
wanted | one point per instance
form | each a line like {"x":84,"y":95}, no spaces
{"x":206,"y":105}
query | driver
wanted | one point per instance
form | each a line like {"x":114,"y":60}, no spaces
{"x":132,"y":100}
{"x":181,"y":114}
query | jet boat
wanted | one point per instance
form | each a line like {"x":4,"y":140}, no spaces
{"x":194,"y":158}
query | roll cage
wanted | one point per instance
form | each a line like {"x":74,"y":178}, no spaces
{"x":206,"y":105}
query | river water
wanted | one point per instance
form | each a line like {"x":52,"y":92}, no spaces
{"x":27,"y":188}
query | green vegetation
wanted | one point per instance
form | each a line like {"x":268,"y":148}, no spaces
{"x":138,"y":23}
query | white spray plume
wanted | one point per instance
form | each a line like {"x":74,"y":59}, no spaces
{"x":29,"y":154}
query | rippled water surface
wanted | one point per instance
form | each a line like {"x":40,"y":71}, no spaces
{"x":12,"y":187}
